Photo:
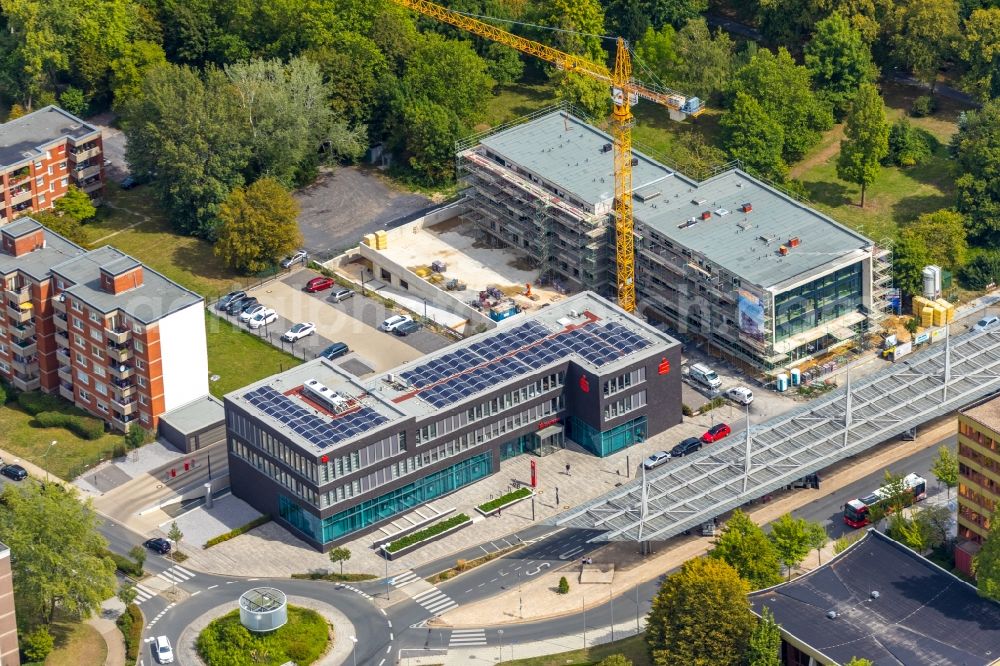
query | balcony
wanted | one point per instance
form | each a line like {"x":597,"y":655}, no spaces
{"x":117,"y":335}
{"x":126,"y":406}
{"x":60,"y":321}
{"x":21,"y":196}
{"x":66,"y":373}
{"x":92,"y":186}
{"x":26,"y":347}
{"x":20,"y":176}
{"x":25,"y":330}
{"x":23,"y":364}
{"x":66,"y":391}
{"x":59,"y":304}
{"x":26,"y":383}
{"x":122,"y":389}
{"x":62,"y":338}
{"x":119,"y":354}
{"x":84,"y":152}
{"x":18,"y":295}
{"x":20,"y":315}
{"x":122,"y":421}
{"x":84,"y":172}
{"x":120,"y":371}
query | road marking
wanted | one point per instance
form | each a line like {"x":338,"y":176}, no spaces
{"x":383,"y":612}
{"x":253,"y":578}
{"x":189,"y":573}
{"x":195,"y":594}
{"x":570,"y":553}
{"x":230,"y":582}
{"x":517,"y":568}
{"x":483,"y":549}
{"x":426,"y":594}
{"x":389,"y":622}
{"x":503,"y":573}
{"x":212,"y":587}
{"x":381,"y":662}
{"x":388,"y":649}
{"x":467,"y":638}
{"x":538,"y":569}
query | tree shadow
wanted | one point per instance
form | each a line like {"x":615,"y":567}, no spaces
{"x":828,"y":193}
{"x":908,"y":209}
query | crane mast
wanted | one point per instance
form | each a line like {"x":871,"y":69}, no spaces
{"x":625,"y":92}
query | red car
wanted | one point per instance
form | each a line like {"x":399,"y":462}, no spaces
{"x":715,"y":433}
{"x":319,"y":284}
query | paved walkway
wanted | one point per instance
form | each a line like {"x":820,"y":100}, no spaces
{"x":105,"y":625}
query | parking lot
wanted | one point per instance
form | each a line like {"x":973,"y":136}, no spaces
{"x":353,"y":321}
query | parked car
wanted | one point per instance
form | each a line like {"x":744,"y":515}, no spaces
{"x":987,"y":323}
{"x":164,"y":653}
{"x":224,"y":302}
{"x":248,"y":313}
{"x":248,"y":303}
{"x":236,"y":305}
{"x":392,"y":322}
{"x":262,"y":318}
{"x":299,"y":331}
{"x":716,"y":432}
{"x":740,"y":394}
{"x":406,"y":328}
{"x":341,"y":295}
{"x":703,"y":374}
{"x":14,"y":472}
{"x":656,"y":459}
{"x":157,"y":545}
{"x":299,"y":257}
{"x":689,"y":445}
{"x":336,"y":350}
{"x":319,"y":284}
{"x":128,"y":182}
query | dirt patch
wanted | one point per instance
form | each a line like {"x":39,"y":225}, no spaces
{"x":450,"y":224}
{"x":523,"y":263}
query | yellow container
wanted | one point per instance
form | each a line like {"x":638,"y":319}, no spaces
{"x":422,"y":271}
{"x":927,"y":316}
{"x":919,"y":303}
{"x":381,"y":239}
{"x":940,"y":315}
{"x":369,"y":240}
{"x":949,"y":309}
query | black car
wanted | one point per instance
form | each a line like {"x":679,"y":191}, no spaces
{"x":248,"y":303}
{"x":158,"y":545}
{"x":224,"y":302}
{"x":689,"y":445}
{"x":336,"y":350}
{"x":128,"y":182}
{"x":236,"y":305}
{"x":14,"y":472}
{"x":406,"y":328}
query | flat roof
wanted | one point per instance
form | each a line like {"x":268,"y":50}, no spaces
{"x":36,"y":264}
{"x":568,"y":152}
{"x":923,"y":615}
{"x":986,"y":412}
{"x":585,"y":329}
{"x":199,"y":414}
{"x":155,"y":298}
{"x":25,"y":138}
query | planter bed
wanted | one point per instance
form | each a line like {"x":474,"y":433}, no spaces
{"x":425,"y":536}
{"x":419,"y":525}
{"x":504,"y":501}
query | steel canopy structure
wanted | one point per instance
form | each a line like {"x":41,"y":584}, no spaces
{"x":691,"y":491}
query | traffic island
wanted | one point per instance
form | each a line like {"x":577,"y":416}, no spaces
{"x":303,"y":639}
{"x":496,"y":506}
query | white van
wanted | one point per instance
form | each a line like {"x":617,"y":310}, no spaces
{"x":740,"y":394}
{"x":703,"y":374}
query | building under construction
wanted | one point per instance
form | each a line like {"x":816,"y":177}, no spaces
{"x":765,"y":279}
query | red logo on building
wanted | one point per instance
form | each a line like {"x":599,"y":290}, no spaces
{"x":324,"y":459}
{"x":664,"y":367}
{"x":584,"y":384}
{"x":547,"y":422}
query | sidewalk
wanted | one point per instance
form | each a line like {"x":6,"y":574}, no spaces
{"x":105,"y":625}
{"x":34,"y":470}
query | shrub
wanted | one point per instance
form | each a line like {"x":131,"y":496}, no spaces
{"x":563,"y":586}
{"x":334,"y":577}
{"x":924,"y":105}
{"x":37,"y":644}
{"x":908,"y":145}
{"x":86,"y":427}
{"x":427,"y":533}
{"x":232,"y":534}
{"x":686,"y":411}
{"x":495,"y":504}
{"x":981,"y":270}
{"x":3,"y":393}
{"x":136,"y":436}
{"x":303,"y":640}
{"x":126,"y":565}
{"x":35,"y":402}
{"x":844,"y":542}
{"x":130,"y":624}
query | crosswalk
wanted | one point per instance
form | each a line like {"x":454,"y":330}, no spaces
{"x":143,"y":593}
{"x":175,"y":574}
{"x":404,"y":579}
{"x":433,"y":600}
{"x":467,"y":638}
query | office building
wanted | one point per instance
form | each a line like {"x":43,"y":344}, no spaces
{"x":42,"y":153}
{"x":98,"y":328}
{"x":332,"y":456}
{"x":9,"y":651}
{"x":978,"y":476}
{"x":769,"y":282}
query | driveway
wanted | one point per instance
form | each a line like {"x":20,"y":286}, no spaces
{"x":345,"y":203}
{"x":113,"y":140}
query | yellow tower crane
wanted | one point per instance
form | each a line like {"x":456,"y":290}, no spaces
{"x":625,"y":92}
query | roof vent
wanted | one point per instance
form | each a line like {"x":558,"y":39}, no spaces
{"x":698,"y":202}
{"x":874,"y":594}
{"x":831,"y":615}
{"x":325,"y":395}
{"x":746,"y":208}
{"x":606,"y":148}
{"x":793,"y":242}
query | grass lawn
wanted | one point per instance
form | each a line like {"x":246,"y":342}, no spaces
{"x":77,"y":644}
{"x":226,"y":642}
{"x":70,"y":455}
{"x":239,"y":357}
{"x":633,"y":648}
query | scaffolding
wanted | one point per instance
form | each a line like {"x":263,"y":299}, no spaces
{"x":881,"y":282}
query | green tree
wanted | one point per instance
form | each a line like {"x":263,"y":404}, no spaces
{"x":449,"y":73}
{"x":75,"y":204}
{"x":426,"y":133}
{"x":175,"y":535}
{"x":745,"y":547}
{"x":257,"y":226}
{"x":895,"y":497}
{"x":615,"y":660}
{"x":583,"y":92}
{"x":980,"y":52}
{"x":563,"y":586}
{"x":578,"y":22}
{"x":943,"y":233}
{"x":130,"y":68}
{"x":765,"y":641}
{"x":138,"y":553}
{"x":673,"y":12}
{"x":839,"y":60}
{"x":136,"y":436}
{"x":704,"y":66}
{"x":700,"y":616}
{"x":626,"y":18}
{"x":926,"y":35}
{"x":73,"y":100}
{"x":858,"y":661}
{"x":37,"y":644}
{"x":791,"y":540}
{"x":982,"y":270}
{"x":784,"y":91}
{"x":975,"y":147}
{"x":657,"y":52}
{"x":127,"y":594}
{"x":48,"y":575}
{"x":339,"y":555}
{"x":909,"y":256}
{"x":817,"y":538}
{"x":64,"y":225}
{"x":752,"y":136}
{"x":986,"y":564}
{"x":866,"y":141}
{"x":908,"y":146}
{"x":945,"y":468}
{"x":187,"y":134}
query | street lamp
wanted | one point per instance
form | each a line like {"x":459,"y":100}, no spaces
{"x":354,"y":650}
{"x":46,"y":459}
{"x":500,"y":634}
{"x":385,"y":556}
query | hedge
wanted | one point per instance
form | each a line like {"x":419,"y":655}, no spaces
{"x":427,"y":532}
{"x":334,"y":577}
{"x":130,"y":623}
{"x":35,"y":402}
{"x":495,"y":504}
{"x":232,"y":534}
{"x":126,"y":565}
{"x":86,"y":427}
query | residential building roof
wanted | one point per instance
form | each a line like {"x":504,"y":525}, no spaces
{"x":986,"y":412}
{"x":36,"y":264}
{"x":921,"y":616}
{"x":155,"y":298}
{"x":197,"y":415}
{"x":24,"y":139}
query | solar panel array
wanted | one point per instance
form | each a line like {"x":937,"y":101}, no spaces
{"x":319,"y":431}
{"x":480,"y":366}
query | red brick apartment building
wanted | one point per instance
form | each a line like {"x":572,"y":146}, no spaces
{"x":41,"y":155}
{"x":978,"y":476}
{"x":98,"y":328}
{"x":8,"y":622}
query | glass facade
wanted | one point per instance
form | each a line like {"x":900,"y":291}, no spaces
{"x":814,"y":303}
{"x":610,"y":441}
{"x":385,"y":506}
{"x":515,"y":447}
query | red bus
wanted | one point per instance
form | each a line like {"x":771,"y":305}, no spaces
{"x":856,"y":511}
